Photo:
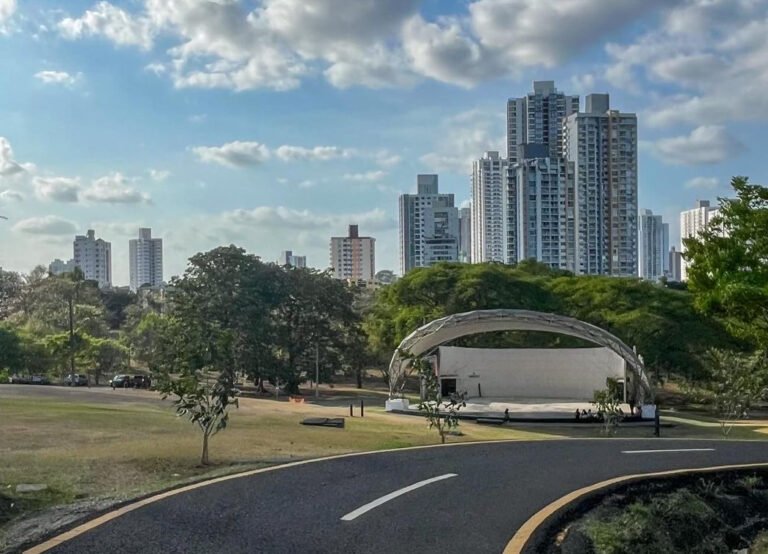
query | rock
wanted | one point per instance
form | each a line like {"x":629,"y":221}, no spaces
{"x":26,"y":487}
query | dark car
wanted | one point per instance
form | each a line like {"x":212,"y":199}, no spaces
{"x":142,"y":382}
{"x":76,"y":380}
{"x":121,"y":382}
{"x":40,"y":380}
{"x":21,"y":380}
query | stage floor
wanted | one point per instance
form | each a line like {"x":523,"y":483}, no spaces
{"x":526,"y":408}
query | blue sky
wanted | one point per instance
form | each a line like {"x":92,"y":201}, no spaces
{"x":273,"y":124}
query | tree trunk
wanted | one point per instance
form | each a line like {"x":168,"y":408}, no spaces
{"x":204,"y":457}
{"x":359,"y":375}
{"x":442,"y":437}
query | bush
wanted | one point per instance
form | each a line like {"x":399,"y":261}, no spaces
{"x":5,"y":376}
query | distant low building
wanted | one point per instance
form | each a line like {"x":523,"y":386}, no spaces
{"x":59,"y":267}
{"x":288,"y":258}
{"x":675,"y":265}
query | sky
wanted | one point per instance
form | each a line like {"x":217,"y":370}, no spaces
{"x":274,"y":124}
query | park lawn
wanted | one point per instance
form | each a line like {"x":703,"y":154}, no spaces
{"x":87,"y":450}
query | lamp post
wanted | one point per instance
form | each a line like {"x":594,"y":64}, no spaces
{"x":317,"y":370}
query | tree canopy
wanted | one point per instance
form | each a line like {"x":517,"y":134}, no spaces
{"x":728,"y":271}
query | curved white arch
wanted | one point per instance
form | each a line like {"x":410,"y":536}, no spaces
{"x":440,"y":331}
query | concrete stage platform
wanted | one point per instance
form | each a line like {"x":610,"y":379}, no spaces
{"x":552,"y":410}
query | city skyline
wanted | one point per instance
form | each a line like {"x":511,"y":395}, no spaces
{"x":270,"y":160}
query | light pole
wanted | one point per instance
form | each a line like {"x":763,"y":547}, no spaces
{"x":317,"y":370}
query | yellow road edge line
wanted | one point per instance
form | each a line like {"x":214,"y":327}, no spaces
{"x":101,"y":520}
{"x":523,"y":535}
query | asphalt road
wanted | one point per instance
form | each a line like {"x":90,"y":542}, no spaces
{"x":497,"y":487}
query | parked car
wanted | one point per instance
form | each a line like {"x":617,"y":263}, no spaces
{"x":121,"y":382}
{"x":21,"y":379}
{"x":76,"y":380}
{"x":142,"y":381}
{"x":40,"y":380}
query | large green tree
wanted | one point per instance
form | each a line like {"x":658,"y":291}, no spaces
{"x":728,"y":271}
{"x":662,"y":323}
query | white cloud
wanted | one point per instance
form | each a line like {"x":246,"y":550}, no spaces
{"x":156,"y":68}
{"x":58,"y":78}
{"x":368,"y":176}
{"x":464,"y":138}
{"x":274,"y":44}
{"x":282,"y":217}
{"x":7,"y":9}
{"x":8,"y":165}
{"x":114,"y":189}
{"x":709,"y":144}
{"x":699,"y":51}
{"x":109,"y":21}
{"x":47,"y":225}
{"x":703,"y":183}
{"x":58,"y":189}
{"x":386,"y":159}
{"x":11,"y":195}
{"x":320,"y":153}
{"x":159,"y":175}
{"x":233,"y":154}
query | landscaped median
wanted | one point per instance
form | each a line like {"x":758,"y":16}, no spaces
{"x":703,"y":511}
{"x":87,"y":454}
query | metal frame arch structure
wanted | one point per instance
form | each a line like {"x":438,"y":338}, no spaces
{"x":438,"y":332}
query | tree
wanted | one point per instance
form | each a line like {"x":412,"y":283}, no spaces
{"x":442,"y":414}
{"x":608,"y":406}
{"x":11,"y":288}
{"x":737,"y":381}
{"x":728,"y":271}
{"x":313,"y":316}
{"x":11,"y":350}
{"x":203,"y":403}
{"x":105,"y":356}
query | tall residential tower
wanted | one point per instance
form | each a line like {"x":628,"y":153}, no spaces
{"x":429,"y":226}
{"x":94,"y":258}
{"x":488,"y":178}
{"x":353,"y":257}
{"x":602,"y":145}
{"x":146,"y":260}
{"x":653,"y":248}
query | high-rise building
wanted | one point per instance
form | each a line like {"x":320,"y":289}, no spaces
{"x":59,"y":267}
{"x":353,"y":257}
{"x":693,"y":222}
{"x":602,"y":145}
{"x":537,"y":119}
{"x":465,"y":234}
{"x":94,"y":258}
{"x":287,"y":257}
{"x":145,"y":256}
{"x":488,"y":189}
{"x":539,"y":209}
{"x":675,"y":265}
{"x":429,"y":226}
{"x":653,"y":246}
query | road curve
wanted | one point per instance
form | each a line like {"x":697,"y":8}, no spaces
{"x":497,"y":487}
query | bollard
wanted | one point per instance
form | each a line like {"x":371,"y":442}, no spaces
{"x":362,"y":409}
{"x":351,"y":413}
{"x":656,"y":422}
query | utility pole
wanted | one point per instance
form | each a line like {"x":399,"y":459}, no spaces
{"x":317,"y":370}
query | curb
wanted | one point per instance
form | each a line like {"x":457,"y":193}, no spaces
{"x":524,"y":540}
